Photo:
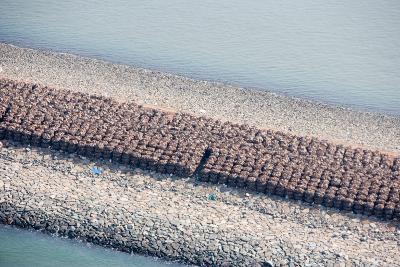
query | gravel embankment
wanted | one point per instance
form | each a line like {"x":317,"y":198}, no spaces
{"x":262,"y":109}
{"x":176,"y":218}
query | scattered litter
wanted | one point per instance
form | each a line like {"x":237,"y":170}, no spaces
{"x":212,"y":197}
{"x":97,"y":170}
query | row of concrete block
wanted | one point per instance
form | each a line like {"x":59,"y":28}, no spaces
{"x":303,"y":168}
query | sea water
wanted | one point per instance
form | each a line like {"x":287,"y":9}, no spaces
{"x":22,"y":248}
{"x":335,"y":51}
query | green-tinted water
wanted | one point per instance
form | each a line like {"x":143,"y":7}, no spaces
{"x":21,"y":248}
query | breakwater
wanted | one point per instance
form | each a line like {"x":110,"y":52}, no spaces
{"x":302,"y":168}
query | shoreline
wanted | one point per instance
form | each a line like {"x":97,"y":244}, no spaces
{"x":261,"y":109}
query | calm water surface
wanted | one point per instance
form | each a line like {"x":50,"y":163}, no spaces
{"x":21,"y":248}
{"x":338,"y":51}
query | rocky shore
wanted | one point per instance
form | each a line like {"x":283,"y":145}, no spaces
{"x":181,"y":219}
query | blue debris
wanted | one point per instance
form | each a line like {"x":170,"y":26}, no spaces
{"x":212,"y":197}
{"x":97,"y":170}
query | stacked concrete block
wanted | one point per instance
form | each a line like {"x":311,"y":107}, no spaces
{"x":272,"y":162}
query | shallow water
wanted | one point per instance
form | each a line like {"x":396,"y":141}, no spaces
{"x":340,"y":52}
{"x":20,"y":248}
